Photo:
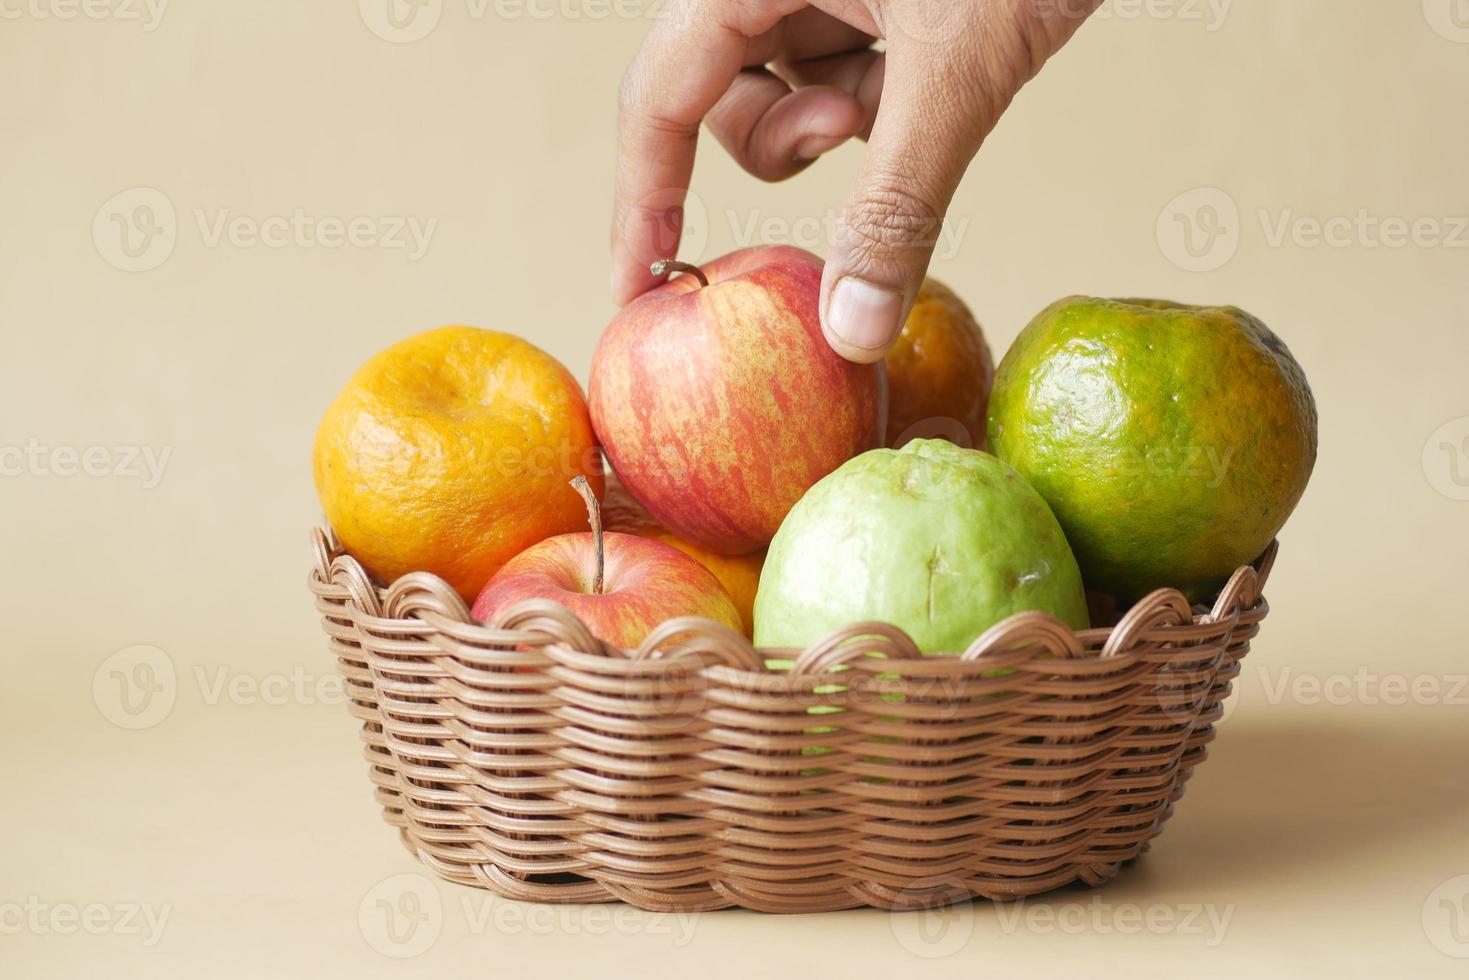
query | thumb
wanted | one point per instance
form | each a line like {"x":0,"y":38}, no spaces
{"x":928,"y":129}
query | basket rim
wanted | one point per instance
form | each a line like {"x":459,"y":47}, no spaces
{"x":424,"y":602}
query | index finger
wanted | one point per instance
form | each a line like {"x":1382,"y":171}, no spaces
{"x":685,"y":65}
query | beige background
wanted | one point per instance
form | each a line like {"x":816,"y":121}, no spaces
{"x":1329,"y":828}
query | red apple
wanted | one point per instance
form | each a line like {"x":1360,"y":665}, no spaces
{"x":620,"y":585}
{"x":719,"y":402}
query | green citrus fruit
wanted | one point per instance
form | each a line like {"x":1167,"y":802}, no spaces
{"x":1171,"y":441}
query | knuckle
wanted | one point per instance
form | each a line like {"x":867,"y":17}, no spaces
{"x":888,"y":218}
{"x":640,"y":114}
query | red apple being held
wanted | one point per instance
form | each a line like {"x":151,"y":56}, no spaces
{"x":620,"y":585}
{"x":720,"y":403}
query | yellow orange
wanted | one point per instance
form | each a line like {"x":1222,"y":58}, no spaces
{"x":939,"y":372}
{"x":739,"y":574}
{"x":452,"y":452}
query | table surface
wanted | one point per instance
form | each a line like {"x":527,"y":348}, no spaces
{"x":240,"y":838}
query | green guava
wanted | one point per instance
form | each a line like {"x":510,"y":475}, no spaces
{"x":938,"y":540}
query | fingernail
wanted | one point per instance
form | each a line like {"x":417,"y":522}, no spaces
{"x":864,"y":315}
{"x":811,"y":147}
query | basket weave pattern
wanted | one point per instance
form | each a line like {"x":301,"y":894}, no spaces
{"x":531,"y":760}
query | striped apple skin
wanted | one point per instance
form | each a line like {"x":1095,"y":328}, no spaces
{"x":720,"y":406}
{"x":644,"y":583}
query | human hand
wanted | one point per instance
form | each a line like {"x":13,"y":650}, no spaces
{"x":780,"y":82}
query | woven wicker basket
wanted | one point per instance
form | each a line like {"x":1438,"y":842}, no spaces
{"x":531,"y":760}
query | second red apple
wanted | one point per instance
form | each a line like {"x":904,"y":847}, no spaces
{"x":620,"y":585}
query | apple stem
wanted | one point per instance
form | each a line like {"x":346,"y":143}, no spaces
{"x":664,"y":266}
{"x":594,"y":515}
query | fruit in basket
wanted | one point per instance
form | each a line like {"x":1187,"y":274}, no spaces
{"x":450,"y":452}
{"x":620,"y":585}
{"x":1172,"y":441}
{"x":937,"y":539}
{"x":719,"y":402}
{"x":939,"y":373}
{"x":739,"y":574}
